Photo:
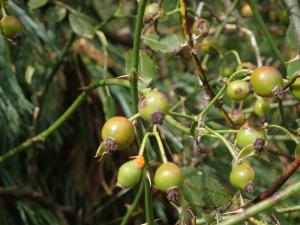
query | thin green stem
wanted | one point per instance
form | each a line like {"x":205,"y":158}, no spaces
{"x":222,"y":90}
{"x":160,"y":144}
{"x":264,"y":205}
{"x":291,"y":81}
{"x":293,"y":137}
{"x":44,"y":134}
{"x":224,"y":140}
{"x":144,"y":141}
{"x":176,"y":114}
{"x":134,"y":117}
{"x":136,"y":47}
{"x":135,"y":201}
{"x":289,"y":209}
{"x":170,"y":120}
{"x":236,"y":55}
{"x":2,"y":8}
{"x":266,"y":31}
{"x":281,"y":111}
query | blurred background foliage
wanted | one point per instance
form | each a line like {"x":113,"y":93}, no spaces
{"x":67,"y":44}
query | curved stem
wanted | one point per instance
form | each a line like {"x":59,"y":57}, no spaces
{"x":170,"y":120}
{"x":77,"y":102}
{"x":2,"y":8}
{"x":293,"y":137}
{"x":160,"y":144}
{"x":266,"y":31}
{"x":266,"y":204}
{"x":134,"y":117}
{"x":44,"y":134}
{"x":144,"y":141}
{"x":225,"y":141}
{"x":222,"y":91}
{"x":236,"y":54}
{"x":176,"y":114}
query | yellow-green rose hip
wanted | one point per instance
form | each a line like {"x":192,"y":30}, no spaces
{"x":242,"y":175}
{"x":120,"y":130}
{"x":153,"y":106}
{"x":265,"y":80}
{"x":10,"y":26}
{"x":168,"y":175}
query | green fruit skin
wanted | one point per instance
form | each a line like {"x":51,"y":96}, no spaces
{"x":297,"y":151}
{"x":237,"y":117}
{"x":11,"y":27}
{"x":241,"y":175}
{"x":261,"y":107}
{"x":238,"y":90}
{"x":151,"y":102}
{"x":208,"y":44}
{"x":168,"y":175}
{"x":295,"y":88}
{"x":247,"y":134}
{"x":264,"y":79}
{"x":129,"y":174}
{"x":120,"y":129}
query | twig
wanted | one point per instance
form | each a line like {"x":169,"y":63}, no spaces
{"x":197,"y":63}
{"x":253,"y":43}
{"x":266,"y":204}
{"x":278,"y":183}
{"x":77,"y":102}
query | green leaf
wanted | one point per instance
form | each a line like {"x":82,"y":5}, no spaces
{"x":202,"y":190}
{"x":147,"y":67}
{"x":81,"y":26}
{"x":34,"y":4}
{"x":291,"y":36}
{"x":293,"y":67}
{"x":165,"y":44}
{"x":55,"y":14}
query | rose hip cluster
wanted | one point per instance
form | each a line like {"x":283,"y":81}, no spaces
{"x":118,"y":133}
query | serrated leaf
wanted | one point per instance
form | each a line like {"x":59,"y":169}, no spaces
{"x":147,"y":67}
{"x":293,"y":67}
{"x":202,"y":190}
{"x":81,"y":26}
{"x":168,"y":43}
{"x":55,"y":14}
{"x":34,"y":4}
